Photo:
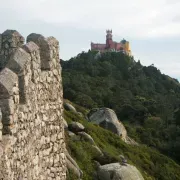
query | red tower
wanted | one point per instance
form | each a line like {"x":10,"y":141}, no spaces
{"x":109,"y":40}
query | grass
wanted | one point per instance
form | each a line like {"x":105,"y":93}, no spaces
{"x":151,"y":164}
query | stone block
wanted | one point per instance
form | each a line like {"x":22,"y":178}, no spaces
{"x":7,"y":82}
{"x":18,"y":60}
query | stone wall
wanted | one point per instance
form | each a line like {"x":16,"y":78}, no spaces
{"x":32,"y":143}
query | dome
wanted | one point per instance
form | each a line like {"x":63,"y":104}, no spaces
{"x":123,"y":41}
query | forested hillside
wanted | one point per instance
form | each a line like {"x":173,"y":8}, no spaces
{"x":145,"y":100}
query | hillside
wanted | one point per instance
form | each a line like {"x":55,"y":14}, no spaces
{"x":151,"y":164}
{"x":145,"y":100}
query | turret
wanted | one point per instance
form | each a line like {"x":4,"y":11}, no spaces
{"x":108,"y":38}
{"x":10,"y":41}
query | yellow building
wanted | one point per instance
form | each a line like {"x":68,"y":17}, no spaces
{"x":126,"y":46}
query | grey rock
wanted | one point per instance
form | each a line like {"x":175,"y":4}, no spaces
{"x":1,"y":149}
{"x":86,"y":137}
{"x":72,"y":165}
{"x":97,"y":164}
{"x":0,"y":115}
{"x":107,"y":119}
{"x":80,"y":114}
{"x":131,"y":141}
{"x":123,"y":160}
{"x":7,"y":81}
{"x":69,"y":107}
{"x":30,"y":47}
{"x":98,"y":151}
{"x":71,"y":134}
{"x":65,"y":124}
{"x":18,"y":60}
{"x":115,"y":171}
{"x":76,"y":127}
{"x":73,"y":168}
{"x":45,"y":49}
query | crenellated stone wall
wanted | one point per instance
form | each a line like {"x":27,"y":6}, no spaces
{"x":32,"y":143}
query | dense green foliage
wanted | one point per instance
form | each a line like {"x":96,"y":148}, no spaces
{"x":151,"y":163}
{"x":143,"y":98}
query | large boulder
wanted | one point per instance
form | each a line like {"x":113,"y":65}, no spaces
{"x":107,"y":119}
{"x":116,"y":171}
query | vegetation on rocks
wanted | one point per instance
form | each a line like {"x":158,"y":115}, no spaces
{"x":144,"y":99}
{"x":150,"y":162}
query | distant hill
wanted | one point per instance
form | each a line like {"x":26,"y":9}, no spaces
{"x":146,"y":100}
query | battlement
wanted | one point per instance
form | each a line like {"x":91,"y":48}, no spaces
{"x":109,"y":31}
{"x":30,"y":107}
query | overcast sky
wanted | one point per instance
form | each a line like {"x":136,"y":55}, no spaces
{"x":152,"y":27}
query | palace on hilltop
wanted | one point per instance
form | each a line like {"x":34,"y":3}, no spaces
{"x":122,"y":46}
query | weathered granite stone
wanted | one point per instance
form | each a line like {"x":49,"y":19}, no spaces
{"x":8,"y":79}
{"x":1,"y":127}
{"x":115,"y":171}
{"x":32,"y":145}
{"x":76,"y":127}
{"x":18,"y":60}
{"x":10,"y":40}
{"x":48,"y":50}
{"x":97,"y":150}
{"x":30,"y":47}
{"x":65,"y":124}
{"x":107,"y":119}
{"x":69,"y":107}
{"x":72,"y":165}
{"x":71,"y":134}
{"x":86,"y":137}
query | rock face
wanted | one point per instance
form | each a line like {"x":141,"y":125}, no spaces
{"x":32,"y":145}
{"x":107,"y":119}
{"x":115,"y":171}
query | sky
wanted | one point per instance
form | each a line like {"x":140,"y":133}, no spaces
{"x":151,"y":27}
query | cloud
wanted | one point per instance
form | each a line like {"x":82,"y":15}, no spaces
{"x":139,"y":18}
{"x":152,"y":27}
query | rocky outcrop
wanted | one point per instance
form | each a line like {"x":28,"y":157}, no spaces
{"x":107,"y":119}
{"x":116,"y":171}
